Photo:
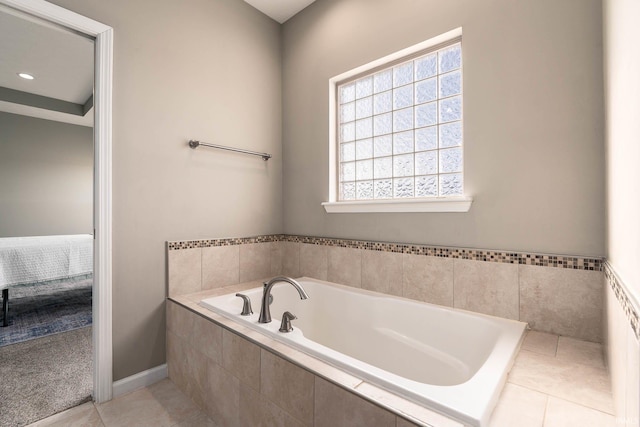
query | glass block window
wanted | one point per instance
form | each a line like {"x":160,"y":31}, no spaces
{"x":400,"y":129}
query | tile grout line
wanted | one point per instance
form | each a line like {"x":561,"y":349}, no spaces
{"x":95,"y":406}
{"x":544,"y":414}
{"x":201,"y":270}
{"x":453,"y":282}
{"x":313,"y":400}
{"x":299,"y":249}
{"x":547,"y":395}
{"x":581,"y":405}
{"x":520,"y":297}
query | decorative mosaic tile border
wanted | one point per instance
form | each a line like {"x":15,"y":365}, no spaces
{"x":560,"y":261}
{"x":542,"y":260}
{"x":630,"y":311}
{"x":229,"y":241}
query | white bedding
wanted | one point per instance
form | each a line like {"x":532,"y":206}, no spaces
{"x":41,"y":258}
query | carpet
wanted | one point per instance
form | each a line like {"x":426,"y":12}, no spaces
{"x":44,"y":376}
{"x":40,"y":309}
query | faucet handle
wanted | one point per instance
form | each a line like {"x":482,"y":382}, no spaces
{"x":246,"y":305}
{"x":285,"y":325}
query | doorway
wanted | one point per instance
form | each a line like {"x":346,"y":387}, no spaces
{"x":101,"y":312}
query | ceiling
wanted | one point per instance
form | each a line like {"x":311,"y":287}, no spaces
{"x":280,"y":10}
{"x":61,"y":62}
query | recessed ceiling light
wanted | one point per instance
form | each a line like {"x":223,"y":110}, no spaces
{"x":26,"y":76}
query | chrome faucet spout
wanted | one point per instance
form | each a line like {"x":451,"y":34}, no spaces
{"x":265,"y":312}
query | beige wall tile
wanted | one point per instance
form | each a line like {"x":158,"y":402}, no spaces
{"x":313,"y":261}
{"x":519,"y":406}
{"x":175,"y":357}
{"x":288,"y":386}
{"x":335,"y":406}
{"x":241,"y":358}
{"x":220,"y":266}
{"x":206,"y":336}
{"x":185,"y":271}
{"x":401,"y":422}
{"x":382,"y":272}
{"x":579,"y":351}
{"x":562,"y":301}
{"x":317,"y":366}
{"x":196,"y":331}
{"x":561,"y":413}
{"x":258,"y":411}
{"x":344,"y":266}
{"x":255,"y":261}
{"x":291,"y":259}
{"x":187,"y":368}
{"x":179,"y":320}
{"x":428,"y":279}
{"x":277,"y":249}
{"x":582,"y":384}
{"x":418,"y":413}
{"x":541,"y":342}
{"x":486,"y":287}
{"x":223,"y":396}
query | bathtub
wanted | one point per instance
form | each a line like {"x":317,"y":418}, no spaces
{"x":450,"y":361}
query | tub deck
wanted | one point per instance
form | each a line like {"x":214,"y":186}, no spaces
{"x":407,"y":409}
{"x":451,"y":361}
{"x":535,"y":394}
{"x":410,"y":411}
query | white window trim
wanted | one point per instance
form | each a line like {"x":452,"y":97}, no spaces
{"x":435,"y":204}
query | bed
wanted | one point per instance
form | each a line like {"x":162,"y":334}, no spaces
{"x":42,"y":258}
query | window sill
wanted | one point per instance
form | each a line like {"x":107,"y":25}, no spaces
{"x":436,"y":204}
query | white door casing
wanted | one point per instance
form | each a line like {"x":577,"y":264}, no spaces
{"x":102,"y":275}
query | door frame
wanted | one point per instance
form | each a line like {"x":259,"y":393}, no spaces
{"x":102,"y":195}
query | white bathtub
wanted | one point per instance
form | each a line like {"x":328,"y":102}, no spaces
{"x":450,"y":361}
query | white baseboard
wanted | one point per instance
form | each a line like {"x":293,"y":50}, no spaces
{"x":140,"y":380}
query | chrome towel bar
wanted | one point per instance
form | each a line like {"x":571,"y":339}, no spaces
{"x":194,"y":144}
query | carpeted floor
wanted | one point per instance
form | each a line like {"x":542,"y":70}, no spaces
{"x":43,"y":376}
{"x":41,"y":309}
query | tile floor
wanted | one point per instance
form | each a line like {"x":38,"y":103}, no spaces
{"x":159,"y":405}
{"x":556,"y":381}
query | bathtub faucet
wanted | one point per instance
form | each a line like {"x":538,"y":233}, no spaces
{"x":265,"y":313}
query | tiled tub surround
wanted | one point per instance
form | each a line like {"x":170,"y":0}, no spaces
{"x":240,"y":377}
{"x":538,"y":278}
{"x":452,"y":361}
{"x":556,"y":294}
{"x":243,"y":378}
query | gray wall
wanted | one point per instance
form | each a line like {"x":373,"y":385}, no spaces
{"x":202,"y":69}
{"x":533,"y":108}
{"x":211,"y":70}
{"x":46,"y":177}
